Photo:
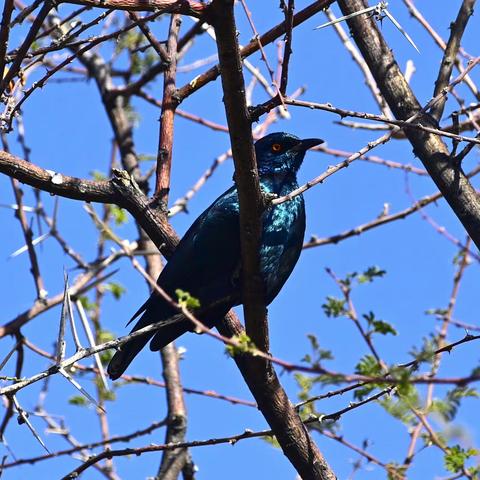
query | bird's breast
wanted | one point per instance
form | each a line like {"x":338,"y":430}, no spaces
{"x":283,"y":232}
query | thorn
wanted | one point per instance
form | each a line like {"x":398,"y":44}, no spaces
{"x":88,"y":332}
{"x":81,"y":389}
{"x":23,"y":419}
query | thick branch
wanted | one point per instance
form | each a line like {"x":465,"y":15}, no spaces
{"x":173,"y":462}
{"x":257,"y":372}
{"x":56,"y":183}
{"x":5,"y":33}
{"x":187,"y":7}
{"x":121,"y":191}
{"x":169,"y":104}
{"x":246,"y":174}
{"x":447,"y":175}
{"x":456,"y":32}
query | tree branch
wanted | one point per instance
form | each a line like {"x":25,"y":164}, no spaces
{"x":432,"y":151}
{"x":5,"y":33}
{"x":186,"y":7}
{"x":57,"y":183}
{"x":246,"y":174}
{"x":450,"y":54}
{"x":259,"y":374}
{"x":253,"y":47}
{"x":169,"y":105}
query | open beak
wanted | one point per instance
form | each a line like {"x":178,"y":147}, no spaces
{"x":306,"y":143}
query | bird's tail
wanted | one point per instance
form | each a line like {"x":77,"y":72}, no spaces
{"x":123,"y":357}
{"x":167,"y":334}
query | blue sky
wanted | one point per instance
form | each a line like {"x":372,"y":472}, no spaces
{"x":68,"y":131}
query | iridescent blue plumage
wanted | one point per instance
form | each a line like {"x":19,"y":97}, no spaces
{"x":207,"y":261}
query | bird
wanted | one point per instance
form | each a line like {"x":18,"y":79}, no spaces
{"x":207,"y":261}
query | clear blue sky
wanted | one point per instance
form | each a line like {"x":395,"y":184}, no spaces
{"x":67,"y":130}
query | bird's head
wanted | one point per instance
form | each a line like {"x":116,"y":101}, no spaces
{"x":282,"y":152}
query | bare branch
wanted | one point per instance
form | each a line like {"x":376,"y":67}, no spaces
{"x":253,"y":47}
{"x":456,"y":32}
{"x":169,"y":104}
{"x":186,"y":7}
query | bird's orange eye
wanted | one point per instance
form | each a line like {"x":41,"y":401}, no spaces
{"x":276,"y":147}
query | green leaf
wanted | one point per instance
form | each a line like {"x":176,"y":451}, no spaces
{"x":448,"y":407}
{"x":456,"y":456}
{"x":119,"y":215}
{"x":398,"y":409}
{"x":186,"y":300}
{"x":334,"y":307}
{"x":396,"y":471}
{"x":437,"y":312}
{"x":105,"y":336}
{"x":361,"y":393}
{"x":368,"y":366}
{"x":305,"y":383}
{"x":406,"y":391}
{"x":36,"y":45}
{"x":98,"y":176}
{"x":426,"y":352}
{"x":86,"y":303}
{"x":105,"y":395}
{"x":78,"y":400}
{"x":128,"y":40}
{"x":102,"y":337}
{"x":379,"y":326}
{"x":318,"y":354}
{"x":136,"y":64}
{"x":272,"y":441}
{"x":370,"y":274}
{"x":245,"y":345}
{"x":146,"y":157}
{"x":347,"y":281}
{"x":106,"y":356}
{"x":116,"y":289}
{"x":475,"y":371}
{"x":406,"y":396}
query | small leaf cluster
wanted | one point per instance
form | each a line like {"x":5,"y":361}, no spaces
{"x":185,"y":300}
{"x":369,"y":367}
{"x":102,"y":337}
{"x":115,"y":288}
{"x":426,"y":353}
{"x":131,"y":41}
{"x":455,"y":458}
{"x":244,"y":345}
{"x":334,"y":307}
{"x":448,"y":407}
{"x":87,"y":304}
{"x":378,"y":326}
{"x":119,"y":215}
{"x":400,"y":404}
{"x":318,"y":354}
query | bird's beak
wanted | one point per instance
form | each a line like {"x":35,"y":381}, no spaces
{"x":306,"y":143}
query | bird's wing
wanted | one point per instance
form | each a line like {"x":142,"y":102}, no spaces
{"x":207,"y":259}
